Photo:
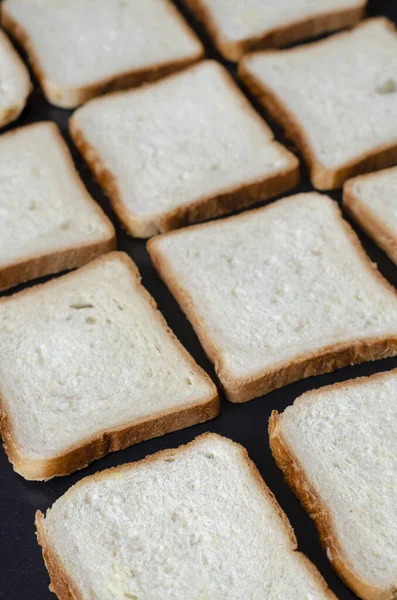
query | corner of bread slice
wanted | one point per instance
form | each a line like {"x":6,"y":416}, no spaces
{"x":21,"y":83}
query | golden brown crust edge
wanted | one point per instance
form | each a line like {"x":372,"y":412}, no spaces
{"x":373,"y":226}
{"x":48,"y":263}
{"x":312,"y":503}
{"x":116,"y":438}
{"x":288,"y":34}
{"x":62,"y":584}
{"x":326,"y":360}
{"x":72,"y":97}
{"x":236,"y":198}
{"x":322,"y":177}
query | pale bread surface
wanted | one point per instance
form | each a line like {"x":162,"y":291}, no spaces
{"x":239,"y":26}
{"x":335,"y":98}
{"x":15,"y":85}
{"x":45,"y":210}
{"x":80,"y":47}
{"x":86,"y":354}
{"x":372,"y":201}
{"x":342,"y":463}
{"x":178,"y":144}
{"x":281,"y":286}
{"x":195,"y":522}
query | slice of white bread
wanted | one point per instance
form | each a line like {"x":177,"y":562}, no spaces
{"x":81,"y":48}
{"x":15,"y":85}
{"x":337,"y":449}
{"x":237,"y":27}
{"x":336,"y":99}
{"x":279,"y":293}
{"x":372,"y":201}
{"x":182,"y":150}
{"x":88,"y":366}
{"x":48,"y":221}
{"x":194,"y":522}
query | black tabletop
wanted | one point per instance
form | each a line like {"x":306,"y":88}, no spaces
{"x":22,"y":572}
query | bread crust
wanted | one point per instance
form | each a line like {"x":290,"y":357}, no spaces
{"x":11,"y":113}
{"x":62,"y":583}
{"x":46,"y":263}
{"x":290,"y":33}
{"x":73,"y":97}
{"x":323,"y":178}
{"x":208,"y":207}
{"x":103,"y":442}
{"x":324,"y":360}
{"x":376,"y":228}
{"x":297,"y":479}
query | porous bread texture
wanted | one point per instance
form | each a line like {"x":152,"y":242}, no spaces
{"x":237,"y":27}
{"x":336,"y":447}
{"x":195,"y":522}
{"x":88,"y":366}
{"x":81,"y":48}
{"x":182,"y":150}
{"x":48,"y":221}
{"x":15,"y":85}
{"x":336,"y":99}
{"x":372,"y":201}
{"x":279,"y":293}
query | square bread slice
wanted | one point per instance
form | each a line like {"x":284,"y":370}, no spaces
{"x":182,"y":150}
{"x":336,"y":99}
{"x":88,"y":366}
{"x":279,"y":293}
{"x":48,"y":221}
{"x":15,"y":84}
{"x":236,"y":27}
{"x":337,"y":449}
{"x":194,"y":522}
{"x":81,"y":48}
{"x":372,"y":201}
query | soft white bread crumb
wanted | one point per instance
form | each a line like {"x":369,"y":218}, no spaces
{"x":178,"y":144}
{"x":79,"y":48}
{"x":274,"y":288}
{"x":238,"y":26}
{"x":342,"y":440}
{"x":372,"y":200}
{"x":15,"y":85}
{"x":196,"y":522}
{"x":336,"y":98}
{"x":45,"y":210}
{"x":85,"y":354}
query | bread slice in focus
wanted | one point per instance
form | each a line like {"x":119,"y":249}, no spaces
{"x":82,"y":48}
{"x":15,"y":85}
{"x":336,"y":99}
{"x":372,"y":201}
{"x":195,"y":522}
{"x":236,"y":27}
{"x":182,"y":150}
{"x":336,"y":447}
{"x":48,"y":221}
{"x":279,"y":293}
{"x":88,"y":366}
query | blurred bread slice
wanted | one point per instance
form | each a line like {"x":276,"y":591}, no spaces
{"x":336,"y":99}
{"x":237,"y":27}
{"x":82,"y":48}
{"x":15,"y":85}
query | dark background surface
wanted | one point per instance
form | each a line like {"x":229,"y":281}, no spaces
{"x":22,"y":572}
